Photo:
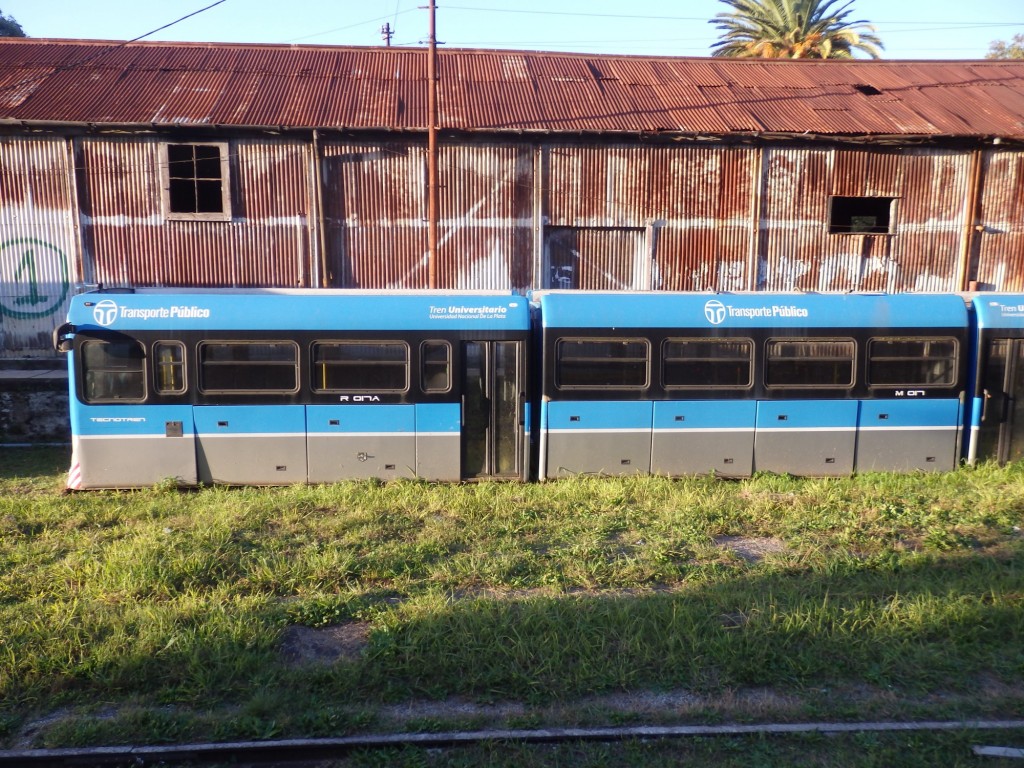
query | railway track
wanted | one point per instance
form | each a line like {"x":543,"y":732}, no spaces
{"x":310,"y":751}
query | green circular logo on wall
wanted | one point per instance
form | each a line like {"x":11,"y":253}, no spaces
{"x":35,"y":278}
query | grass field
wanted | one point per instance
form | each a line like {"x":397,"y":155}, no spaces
{"x":219,"y":614}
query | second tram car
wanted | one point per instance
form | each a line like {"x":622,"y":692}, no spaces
{"x":734,"y":384}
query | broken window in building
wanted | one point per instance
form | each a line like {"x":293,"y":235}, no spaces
{"x":860,"y":216}
{"x":197,"y":181}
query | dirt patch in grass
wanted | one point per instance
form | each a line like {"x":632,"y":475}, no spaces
{"x":642,"y":707}
{"x":454,"y":710}
{"x":301,"y":646}
{"x":753,"y":550}
{"x":33,"y":728}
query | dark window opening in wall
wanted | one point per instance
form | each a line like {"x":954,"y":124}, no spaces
{"x":860,"y":215}
{"x":197,"y":181}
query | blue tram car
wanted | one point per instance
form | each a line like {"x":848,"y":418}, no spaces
{"x":737,"y":383}
{"x":281,"y":386}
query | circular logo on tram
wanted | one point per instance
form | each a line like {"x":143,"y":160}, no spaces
{"x":714,"y":311}
{"x":105,"y":312}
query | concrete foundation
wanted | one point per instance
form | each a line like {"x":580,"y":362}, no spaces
{"x":34,"y":402}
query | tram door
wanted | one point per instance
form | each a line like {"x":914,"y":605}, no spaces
{"x":492,"y":417}
{"x":1002,"y":423}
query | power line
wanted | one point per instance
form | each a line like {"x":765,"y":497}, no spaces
{"x":350,"y":26}
{"x":105,"y":50}
{"x":176,"y":21}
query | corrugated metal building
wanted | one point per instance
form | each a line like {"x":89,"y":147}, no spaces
{"x":244,"y":165}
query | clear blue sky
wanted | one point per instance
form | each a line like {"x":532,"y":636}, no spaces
{"x":910,"y":29}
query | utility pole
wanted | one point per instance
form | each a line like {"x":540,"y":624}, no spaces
{"x":432,"y":204}
{"x":386,"y":33}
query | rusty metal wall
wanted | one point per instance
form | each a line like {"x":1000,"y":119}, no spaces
{"x":596,"y":258}
{"x":930,"y":190}
{"x":932,"y":213}
{"x":998,"y":248}
{"x":375,"y":202}
{"x":668,"y":217}
{"x":708,"y":197}
{"x":696,"y":202}
{"x":794,"y":207}
{"x":485,"y":233}
{"x":513,"y":215}
{"x":375,"y":215}
{"x":38,"y":252}
{"x":269,"y":241}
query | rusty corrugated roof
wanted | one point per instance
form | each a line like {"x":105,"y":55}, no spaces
{"x":144,"y":83}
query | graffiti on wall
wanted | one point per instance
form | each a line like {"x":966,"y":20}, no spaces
{"x":35,"y":288}
{"x":36,"y":280}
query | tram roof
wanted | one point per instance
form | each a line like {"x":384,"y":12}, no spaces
{"x":577,"y":309}
{"x":299,"y":310}
{"x":999,"y":310}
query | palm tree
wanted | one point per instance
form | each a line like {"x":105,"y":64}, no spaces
{"x":793,"y":29}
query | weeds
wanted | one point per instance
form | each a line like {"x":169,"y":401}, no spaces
{"x":175,"y":604}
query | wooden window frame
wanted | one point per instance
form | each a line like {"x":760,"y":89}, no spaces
{"x":168,"y":180}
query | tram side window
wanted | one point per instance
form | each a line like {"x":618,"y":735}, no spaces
{"x":113,"y":371}
{"x":899,"y":361}
{"x":169,"y":365}
{"x":601,"y":363}
{"x":436,"y":365}
{"x":696,"y":363}
{"x":363,"y":366}
{"x":821,"y":363}
{"x":247,"y":367}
